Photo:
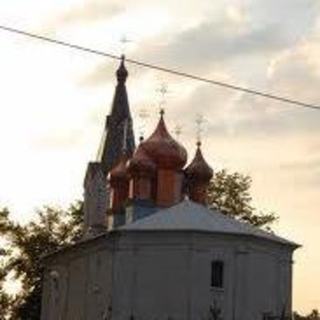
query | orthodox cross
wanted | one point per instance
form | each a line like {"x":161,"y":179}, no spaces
{"x":124,"y":42}
{"x":215,"y":311}
{"x":143,"y":115}
{"x":199,"y":124}
{"x":178,"y":130}
{"x":162,"y":90}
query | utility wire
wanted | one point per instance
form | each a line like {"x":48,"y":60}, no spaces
{"x":164,"y":69}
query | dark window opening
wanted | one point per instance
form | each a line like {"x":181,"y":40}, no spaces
{"x":217,"y":274}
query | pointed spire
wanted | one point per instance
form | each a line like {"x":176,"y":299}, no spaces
{"x":120,"y":117}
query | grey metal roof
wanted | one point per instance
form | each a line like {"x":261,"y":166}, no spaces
{"x":188,"y":215}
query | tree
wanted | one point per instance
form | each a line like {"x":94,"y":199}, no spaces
{"x":230,"y":194}
{"x":54,"y":228}
{"x":314,"y":315}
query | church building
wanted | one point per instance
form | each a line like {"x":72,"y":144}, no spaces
{"x":151,"y":247}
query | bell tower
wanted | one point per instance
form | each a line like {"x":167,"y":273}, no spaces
{"x":117,"y":133}
{"x":110,"y":150}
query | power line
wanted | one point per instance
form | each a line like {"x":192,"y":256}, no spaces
{"x":164,"y":69}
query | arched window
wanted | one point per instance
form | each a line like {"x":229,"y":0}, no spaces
{"x":217,"y":267}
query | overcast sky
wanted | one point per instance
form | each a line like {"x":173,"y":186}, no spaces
{"x":53,"y":101}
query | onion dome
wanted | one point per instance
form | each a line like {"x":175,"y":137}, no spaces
{"x":119,"y":172}
{"x":141,"y":163}
{"x":198,"y":169}
{"x":166,"y":152}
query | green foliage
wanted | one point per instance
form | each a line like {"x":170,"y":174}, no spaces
{"x":52,"y":229}
{"x":230,"y":193}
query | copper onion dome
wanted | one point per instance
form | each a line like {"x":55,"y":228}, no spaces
{"x":141,"y":163}
{"x":166,"y":152}
{"x":119,"y":172}
{"x":198,"y":169}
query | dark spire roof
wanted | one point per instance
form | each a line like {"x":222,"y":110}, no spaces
{"x":112,"y":144}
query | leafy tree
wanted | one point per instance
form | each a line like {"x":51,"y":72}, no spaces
{"x":230,"y":193}
{"x":314,"y":315}
{"x":54,"y":228}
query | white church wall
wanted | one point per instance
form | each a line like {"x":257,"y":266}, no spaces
{"x":267,"y":272}
{"x":156,"y":275}
{"x":241,"y":308}
{"x":151,"y":280}
{"x":99,"y":284}
{"x":55,"y":292}
{"x":169,"y":275}
{"x":76,"y":289}
{"x":84,"y":283}
{"x":205,"y":250}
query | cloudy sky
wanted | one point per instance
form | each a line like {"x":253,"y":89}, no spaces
{"x":53,"y":100}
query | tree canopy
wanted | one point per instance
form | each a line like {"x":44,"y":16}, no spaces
{"x":25,"y":245}
{"x":313,"y":315}
{"x":230,"y":194}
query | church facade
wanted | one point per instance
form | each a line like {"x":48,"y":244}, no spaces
{"x":152,"y":249}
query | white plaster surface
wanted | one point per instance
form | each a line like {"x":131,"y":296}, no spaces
{"x":160,"y":267}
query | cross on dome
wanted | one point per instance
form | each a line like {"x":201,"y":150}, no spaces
{"x":163,"y":91}
{"x":199,"y":123}
{"x":124,"y":42}
{"x":178,"y":130}
{"x":143,"y":114}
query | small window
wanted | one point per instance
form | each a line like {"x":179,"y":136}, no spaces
{"x":217,"y":274}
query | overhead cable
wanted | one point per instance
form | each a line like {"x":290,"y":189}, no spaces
{"x":263,"y":94}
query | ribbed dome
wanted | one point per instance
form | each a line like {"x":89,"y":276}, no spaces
{"x":166,"y":152}
{"x":141,"y":163}
{"x":119,"y":172}
{"x":198,"y":169}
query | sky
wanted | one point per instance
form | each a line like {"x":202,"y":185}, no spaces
{"x":53,"y":100}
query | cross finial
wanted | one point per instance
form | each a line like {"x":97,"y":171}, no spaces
{"x":124,"y":42}
{"x":162,"y":90}
{"x":178,"y":130}
{"x":143,"y":115}
{"x":199,"y":123}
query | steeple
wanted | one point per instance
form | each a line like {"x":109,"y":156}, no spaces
{"x":120,"y":116}
{"x":119,"y":183}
